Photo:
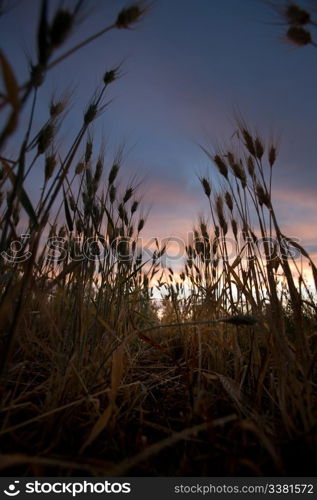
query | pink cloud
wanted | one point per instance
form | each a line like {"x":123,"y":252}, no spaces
{"x":170,"y":193}
{"x":304,"y":231}
{"x":304,"y":199}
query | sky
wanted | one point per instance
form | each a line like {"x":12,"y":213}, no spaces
{"x":187,"y":68}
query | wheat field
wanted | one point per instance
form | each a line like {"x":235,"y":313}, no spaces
{"x":98,"y":376}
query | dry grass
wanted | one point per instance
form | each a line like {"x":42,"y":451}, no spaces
{"x":92,"y":380}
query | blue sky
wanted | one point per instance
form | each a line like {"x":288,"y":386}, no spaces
{"x":187,"y":67}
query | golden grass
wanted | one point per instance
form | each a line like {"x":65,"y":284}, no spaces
{"x":93,"y":379}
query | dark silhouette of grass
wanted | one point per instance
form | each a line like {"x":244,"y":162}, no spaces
{"x":94,"y":380}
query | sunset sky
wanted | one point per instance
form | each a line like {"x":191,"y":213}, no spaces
{"x":186,"y":69}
